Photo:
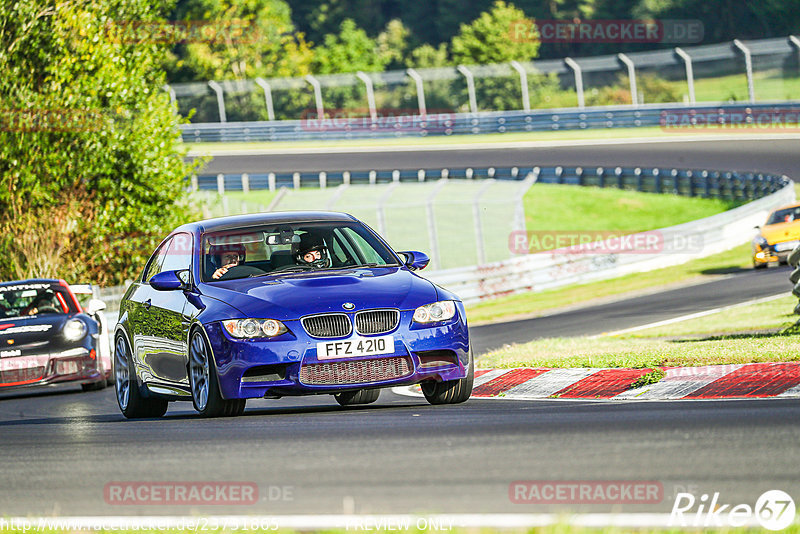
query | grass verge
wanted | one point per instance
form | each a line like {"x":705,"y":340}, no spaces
{"x":768,"y":336}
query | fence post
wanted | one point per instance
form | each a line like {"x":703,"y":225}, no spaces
{"x":657,"y":180}
{"x":346,"y":177}
{"x":323,"y":179}
{"x":245,"y":183}
{"x":473,"y":101}
{"x":195,"y":184}
{"x":373,"y":112}
{"x":381,"y":214}
{"x":620,"y":181}
{"x":523,"y":83}
{"x":748,"y":65}
{"x":571,"y":63}
{"x":476,"y":219}
{"x":271,"y":181}
{"x":317,"y":95}
{"x":687,"y":59}
{"x":601,"y":177}
{"x":221,"y":184}
{"x":261,"y":82}
{"x":632,"y":76}
{"x":434,"y":239}
{"x":217,"y":88}
{"x":296,"y":180}
{"x":420,"y":91}
{"x":560,"y":175}
{"x":639,"y":178}
{"x":421,"y":175}
{"x":373,"y":177}
{"x":170,"y":91}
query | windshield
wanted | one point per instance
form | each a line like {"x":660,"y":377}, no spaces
{"x":784,"y":216}
{"x":32,"y":299}
{"x":286,"y":248}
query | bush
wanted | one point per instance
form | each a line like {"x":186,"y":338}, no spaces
{"x":90,"y":162}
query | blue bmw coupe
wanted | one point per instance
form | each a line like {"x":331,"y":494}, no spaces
{"x":279,"y":304}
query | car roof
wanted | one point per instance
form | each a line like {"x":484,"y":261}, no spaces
{"x":31,"y":281}
{"x":786,"y":207}
{"x":257,"y":219}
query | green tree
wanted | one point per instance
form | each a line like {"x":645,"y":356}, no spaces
{"x":91,"y":171}
{"x":350,"y":50}
{"x":393,"y":46}
{"x":246,"y":39}
{"x":490,"y":39}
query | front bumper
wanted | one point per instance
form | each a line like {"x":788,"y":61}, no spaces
{"x":280,"y":366}
{"x":71,"y":365}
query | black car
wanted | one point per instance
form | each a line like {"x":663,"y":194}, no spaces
{"x":47,"y":337}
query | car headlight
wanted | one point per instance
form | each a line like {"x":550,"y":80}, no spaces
{"x":74,"y":329}
{"x":435,"y":312}
{"x":248,"y":328}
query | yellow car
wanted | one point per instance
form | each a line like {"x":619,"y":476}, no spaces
{"x":779,"y":235}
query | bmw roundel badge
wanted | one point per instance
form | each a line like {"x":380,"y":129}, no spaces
{"x":348,"y":305}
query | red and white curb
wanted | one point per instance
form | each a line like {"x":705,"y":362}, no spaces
{"x":754,"y":380}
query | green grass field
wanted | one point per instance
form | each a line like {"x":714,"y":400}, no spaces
{"x":762,"y":332}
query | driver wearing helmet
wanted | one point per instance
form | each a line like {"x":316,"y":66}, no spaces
{"x":225,"y":257}
{"x":311,"y":251}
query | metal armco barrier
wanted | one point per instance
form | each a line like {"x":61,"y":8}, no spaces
{"x":557,"y":268}
{"x":702,"y":183}
{"x":672,"y":117}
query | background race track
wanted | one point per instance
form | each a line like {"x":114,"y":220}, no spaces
{"x":60,"y":448}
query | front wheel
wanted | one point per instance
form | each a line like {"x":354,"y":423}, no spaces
{"x":451,"y":391}
{"x":359,"y":396}
{"x":206,"y":396}
{"x":130,"y":400}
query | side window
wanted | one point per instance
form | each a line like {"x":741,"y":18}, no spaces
{"x":366,"y":251}
{"x":179,"y":254}
{"x":154,"y":266}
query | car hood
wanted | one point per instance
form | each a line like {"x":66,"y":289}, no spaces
{"x":296,"y":295}
{"x":778,"y":233}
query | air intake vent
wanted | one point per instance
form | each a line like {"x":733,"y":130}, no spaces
{"x":328,"y":325}
{"x":376,"y":321}
{"x":355,"y":372}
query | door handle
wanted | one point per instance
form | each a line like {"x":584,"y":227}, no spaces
{"x":147,"y":304}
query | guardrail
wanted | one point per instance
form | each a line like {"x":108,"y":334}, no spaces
{"x":703,"y":183}
{"x":775,"y":115}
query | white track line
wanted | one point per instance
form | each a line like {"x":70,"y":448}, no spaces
{"x":487,"y":146}
{"x":399,"y":522}
{"x":689,"y":316}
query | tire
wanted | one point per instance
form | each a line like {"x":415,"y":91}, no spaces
{"x":759,"y":266}
{"x":359,"y":396}
{"x":203,"y":382}
{"x":451,"y":391}
{"x":129,"y":398}
{"x":94,"y":386}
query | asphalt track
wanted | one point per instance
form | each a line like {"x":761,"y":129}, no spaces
{"x":766,"y":155}
{"x":61,"y":448}
{"x":738,"y":286}
{"x":398,"y":456}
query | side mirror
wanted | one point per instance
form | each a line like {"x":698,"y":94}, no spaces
{"x":415,"y":260}
{"x":757,"y":227}
{"x":168,"y":281}
{"x":94,"y":306}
